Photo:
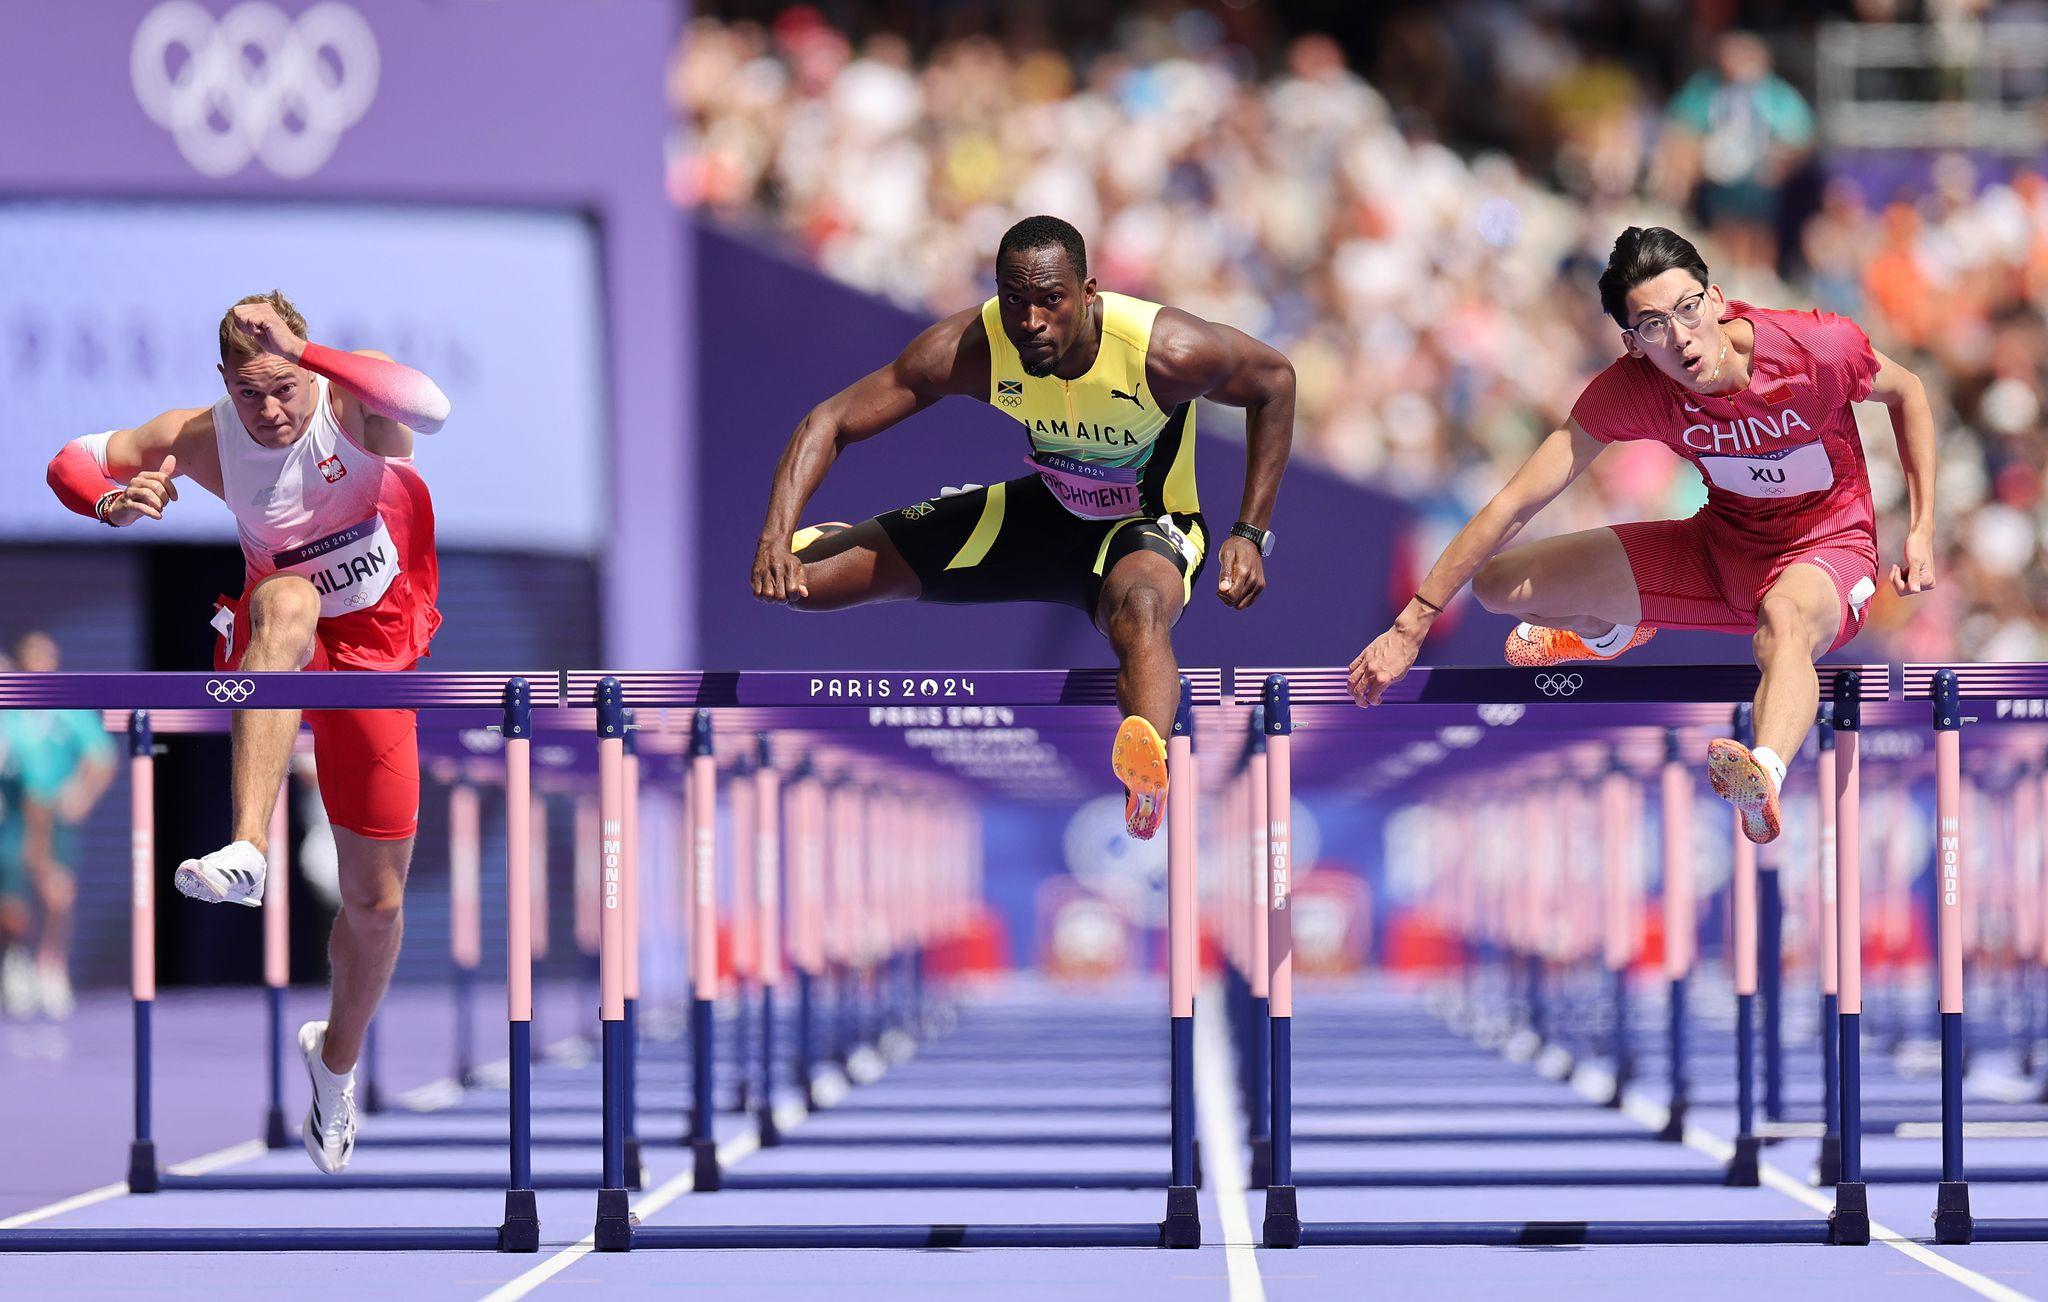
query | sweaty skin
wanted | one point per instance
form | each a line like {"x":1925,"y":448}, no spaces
{"x":1055,"y":321}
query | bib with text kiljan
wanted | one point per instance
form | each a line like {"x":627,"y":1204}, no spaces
{"x":350,"y":569}
{"x":1789,"y":472}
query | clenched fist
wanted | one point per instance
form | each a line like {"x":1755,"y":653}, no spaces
{"x":269,"y":330}
{"x":146,"y":494}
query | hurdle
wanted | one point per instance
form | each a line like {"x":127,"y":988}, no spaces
{"x":1654,"y":696}
{"x":143,"y":693}
{"x":770,"y":701}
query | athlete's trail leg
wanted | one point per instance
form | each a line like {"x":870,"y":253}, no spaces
{"x":1795,"y":624}
{"x":1141,"y":600}
{"x":855,"y":567}
{"x":1580,"y":581}
{"x":283,"y":611}
{"x":363,"y":947}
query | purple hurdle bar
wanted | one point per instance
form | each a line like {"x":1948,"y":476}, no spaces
{"x":863,"y":876}
{"x":1666,"y":694}
{"x":519,"y":1232}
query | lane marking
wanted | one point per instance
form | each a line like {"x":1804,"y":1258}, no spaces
{"x":789,"y":1116}
{"x":1704,"y":1141}
{"x":1217,"y":1114}
{"x":71,"y":1204}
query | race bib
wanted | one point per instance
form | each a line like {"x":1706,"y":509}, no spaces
{"x":350,"y":570}
{"x":1788,"y":472}
{"x":1087,"y":490}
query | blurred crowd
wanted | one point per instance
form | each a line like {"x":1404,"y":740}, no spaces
{"x":1428,"y":266}
{"x":54,"y":767}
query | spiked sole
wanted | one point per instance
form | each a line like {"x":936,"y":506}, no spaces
{"x":1741,"y":781}
{"x":1138,"y":759}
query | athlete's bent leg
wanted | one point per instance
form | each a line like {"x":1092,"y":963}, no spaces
{"x":1578,"y":581}
{"x":283,"y":612}
{"x":1795,"y":625}
{"x":857,"y":566}
{"x":363,"y":947}
{"x":1140,"y":603}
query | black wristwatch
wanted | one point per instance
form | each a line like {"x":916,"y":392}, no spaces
{"x":1257,"y":537}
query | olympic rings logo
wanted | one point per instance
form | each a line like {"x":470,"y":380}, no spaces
{"x":227,"y":690}
{"x":255,"y":84}
{"x":1559,"y":684}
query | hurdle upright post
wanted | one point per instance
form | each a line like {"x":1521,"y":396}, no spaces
{"x":277,"y":957}
{"x":1743,"y":1168}
{"x":465,"y":929}
{"x":1617,"y":918}
{"x":1829,"y":1163}
{"x":614,"y":1228}
{"x":1681,"y":924}
{"x":1182,"y":1227}
{"x":520,"y":1231}
{"x":740,"y":938}
{"x":1952,"y":1219}
{"x":768,"y":807}
{"x":1282,"y":1227}
{"x":1258,"y":1038}
{"x":703,"y":953}
{"x":629,"y":929}
{"x":142,"y":1168}
{"x":1849,"y":1222}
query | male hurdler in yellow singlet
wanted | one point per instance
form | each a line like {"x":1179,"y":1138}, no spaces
{"x":1106,"y":521}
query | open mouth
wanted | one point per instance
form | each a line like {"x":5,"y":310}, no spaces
{"x":1693,"y":362}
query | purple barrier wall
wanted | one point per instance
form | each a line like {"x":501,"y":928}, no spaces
{"x":779,"y":337}
{"x":524,"y":103}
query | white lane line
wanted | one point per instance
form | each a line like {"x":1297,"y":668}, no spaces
{"x":205,"y":1163}
{"x":1223,"y":1158}
{"x":247,"y":1150}
{"x":71,"y":1204}
{"x":1653,"y":1116}
{"x":789,"y":1116}
{"x":201,"y":1165}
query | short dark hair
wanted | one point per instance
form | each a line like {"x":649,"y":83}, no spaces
{"x":1045,"y":233}
{"x":1644,"y":253}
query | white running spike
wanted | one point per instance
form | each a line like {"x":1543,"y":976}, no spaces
{"x":232,"y":874}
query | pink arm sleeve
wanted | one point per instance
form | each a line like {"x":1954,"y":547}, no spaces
{"x":393,"y":391}
{"x":78,"y":480}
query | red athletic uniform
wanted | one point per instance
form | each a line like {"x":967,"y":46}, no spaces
{"x":1783,"y":465}
{"x":360,"y":528}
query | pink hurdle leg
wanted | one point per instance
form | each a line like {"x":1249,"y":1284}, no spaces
{"x":142,"y":1167}
{"x":277,"y":957}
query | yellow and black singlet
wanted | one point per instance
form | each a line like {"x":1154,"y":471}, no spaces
{"x":1106,"y":421}
{"x":1111,"y":474}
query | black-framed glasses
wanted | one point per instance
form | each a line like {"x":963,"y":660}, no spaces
{"x":1656,"y":327}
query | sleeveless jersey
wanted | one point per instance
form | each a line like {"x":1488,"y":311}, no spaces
{"x":1101,"y":442}
{"x":311,"y":508}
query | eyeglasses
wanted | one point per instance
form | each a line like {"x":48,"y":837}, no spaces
{"x":1656,"y":327}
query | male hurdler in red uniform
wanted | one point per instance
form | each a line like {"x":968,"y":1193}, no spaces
{"x":1761,"y":401}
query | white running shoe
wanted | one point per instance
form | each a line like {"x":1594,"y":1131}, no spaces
{"x":20,"y":992}
{"x":232,"y":874}
{"x":330,"y":1129}
{"x":58,"y":1001}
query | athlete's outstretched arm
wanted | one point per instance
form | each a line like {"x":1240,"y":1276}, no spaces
{"x":381,"y":402}
{"x":937,"y":363}
{"x":1192,"y":358}
{"x":123,"y":475}
{"x":1558,"y":460}
{"x":1913,"y":426}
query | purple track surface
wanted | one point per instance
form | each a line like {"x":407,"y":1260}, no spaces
{"x":1025,"y":1057}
